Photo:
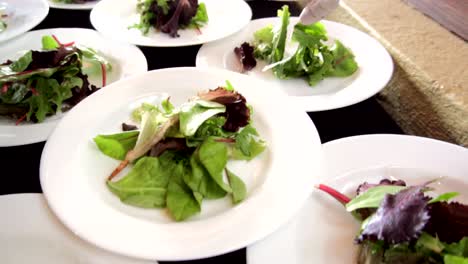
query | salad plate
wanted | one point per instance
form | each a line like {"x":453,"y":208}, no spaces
{"x":280,"y":176}
{"x":30,"y":233}
{"x":18,"y":19}
{"x":61,"y":4}
{"x":375,"y":66}
{"x":323,"y":231}
{"x":126,"y":60}
{"x":115,"y":19}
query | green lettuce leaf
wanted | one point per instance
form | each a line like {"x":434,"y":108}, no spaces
{"x":280,"y":35}
{"x":49,"y":43}
{"x":144,"y":186}
{"x":343,"y":63}
{"x":372,"y":197}
{"x":213,"y":155}
{"x":200,"y":181}
{"x":445,"y":197}
{"x":200,"y":18}
{"x":117,"y":145}
{"x":239,"y":191}
{"x":181,"y":201}
{"x":22,"y":63}
{"x":248,"y":144}
{"x":193,"y":114}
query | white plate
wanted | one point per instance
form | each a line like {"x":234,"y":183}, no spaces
{"x":23,"y":16}
{"x":30,"y":233}
{"x":375,"y":67}
{"x":113,"y":18}
{"x":126,"y":60}
{"x":323,"y":231}
{"x":73,"y":171}
{"x":85,"y":6}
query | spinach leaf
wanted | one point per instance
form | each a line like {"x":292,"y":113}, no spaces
{"x":213,"y":155}
{"x":239,"y":191}
{"x":200,"y":181}
{"x":144,"y":186}
{"x":372,"y":197}
{"x":117,"y":145}
{"x":181,"y":201}
{"x":193,"y":114}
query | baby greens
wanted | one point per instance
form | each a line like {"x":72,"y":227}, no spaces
{"x":170,"y":15}
{"x":42,"y":83}
{"x":400,"y":224}
{"x":312,"y":59}
{"x":181,"y":154}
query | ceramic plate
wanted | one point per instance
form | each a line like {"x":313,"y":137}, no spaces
{"x":22,"y":15}
{"x":84,"y":6}
{"x":323,"y":232}
{"x":73,"y":171}
{"x":126,"y":60}
{"x":375,"y":67}
{"x":113,"y":17}
{"x":30,"y":233}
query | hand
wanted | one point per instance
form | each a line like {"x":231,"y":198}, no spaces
{"x":316,"y":10}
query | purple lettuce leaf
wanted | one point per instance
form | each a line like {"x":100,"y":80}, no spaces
{"x":400,"y":217}
{"x":245,"y":54}
{"x":185,"y":10}
{"x":448,"y":221}
{"x":237,"y":112}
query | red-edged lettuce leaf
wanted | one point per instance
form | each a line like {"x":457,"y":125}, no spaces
{"x":400,"y":217}
{"x":237,"y":112}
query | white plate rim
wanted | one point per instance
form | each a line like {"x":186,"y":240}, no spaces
{"x":311,"y":103}
{"x":35,"y":206}
{"x":176,"y":251}
{"x":148,"y":43}
{"x":85,"y":6}
{"x":351,"y":145}
{"x":31,"y":25}
{"x":19,"y":135}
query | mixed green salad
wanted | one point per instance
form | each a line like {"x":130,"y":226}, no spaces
{"x":180,"y":155}
{"x":170,"y":15}
{"x":312,"y":59}
{"x":42,"y":83}
{"x":402,"y":224}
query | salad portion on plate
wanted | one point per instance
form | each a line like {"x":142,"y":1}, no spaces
{"x":169,"y":15}
{"x":322,"y":66}
{"x":405,"y":224}
{"x":401,"y":199}
{"x":195,"y":169}
{"x":46,"y":72}
{"x":311,"y":59}
{"x":41,"y":83}
{"x":181,"y":154}
{"x":169,"y":23}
